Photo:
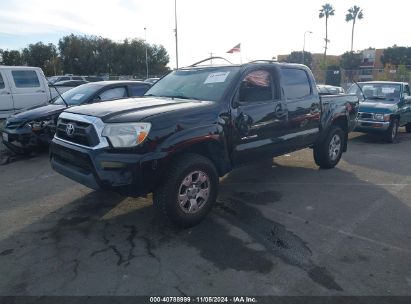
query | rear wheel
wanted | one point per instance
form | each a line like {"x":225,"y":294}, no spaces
{"x":188,"y":191}
{"x":328,"y":153}
{"x":408,"y":127}
{"x":392,"y":131}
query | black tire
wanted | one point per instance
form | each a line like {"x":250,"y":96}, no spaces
{"x":391,"y":133}
{"x":167,"y":196}
{"x":408,"y":127}
{"x":322,"y":151}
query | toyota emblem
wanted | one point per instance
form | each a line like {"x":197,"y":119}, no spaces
{"x":70,"y":129}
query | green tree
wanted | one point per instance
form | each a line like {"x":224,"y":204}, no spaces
{"x":12,"y":57}
{"x":43,"y":56}
{"x":297,"y":57}
{"x":397,"y":55}
{"x":350,"y":62}
{"x":326,"y":11}
{"x":353,"y":14}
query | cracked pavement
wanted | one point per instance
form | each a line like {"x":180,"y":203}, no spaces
{"x":279,"y":227}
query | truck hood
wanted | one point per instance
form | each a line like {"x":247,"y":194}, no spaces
{"x":135,"y":109}
{"x":37,"y":112}
{"x":377,"y":106}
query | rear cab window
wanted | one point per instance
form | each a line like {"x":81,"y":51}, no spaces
{"x":25,"y":79}
{"x":296,"y":84}
{"x":139,"y":90}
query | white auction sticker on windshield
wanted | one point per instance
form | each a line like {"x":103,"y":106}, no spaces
{"x":216,"y":77}
{"x":388,"y":90}
{"x":77,"y":97}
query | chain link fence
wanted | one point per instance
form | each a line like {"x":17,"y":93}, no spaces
{"x":344,"y":78}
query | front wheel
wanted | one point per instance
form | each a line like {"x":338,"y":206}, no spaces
{"x":328,"y":153}
{"x":392,"y":131}
{"x":188,"y":191}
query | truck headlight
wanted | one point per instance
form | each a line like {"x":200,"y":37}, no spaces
{"x":382,"y":117}
{"x":126,"y":135}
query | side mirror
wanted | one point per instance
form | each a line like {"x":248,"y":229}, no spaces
{"x":407,"y":99}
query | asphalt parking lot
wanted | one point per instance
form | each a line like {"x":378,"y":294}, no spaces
{"x":280,"y":227}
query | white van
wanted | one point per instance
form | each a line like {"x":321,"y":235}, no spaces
{"x":21,"y":87}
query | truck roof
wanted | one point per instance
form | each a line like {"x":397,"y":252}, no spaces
{"x":16,"y":67}
{"x":247,"y":64}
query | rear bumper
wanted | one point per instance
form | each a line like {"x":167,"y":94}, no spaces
{"x":127,"y":173}
{"x":372,"y":126}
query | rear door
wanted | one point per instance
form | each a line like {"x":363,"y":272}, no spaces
{"x":258,"y":116}
{"x":28,"y":88}
{"x":6,"y":99}
{"x":303,"y":104}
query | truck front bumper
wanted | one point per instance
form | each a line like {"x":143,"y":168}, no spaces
{"x":372,"y":126}
{"x":128,"y":173}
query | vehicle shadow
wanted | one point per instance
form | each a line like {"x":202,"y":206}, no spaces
{"x":369,"y":150}
{"x":105,"y":244}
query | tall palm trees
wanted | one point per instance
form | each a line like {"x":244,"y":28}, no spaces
{"x":353,"y":14}
{"x":326,"y":11}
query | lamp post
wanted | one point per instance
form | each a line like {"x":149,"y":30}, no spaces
{"x":304,"y":45}
{"x":145,"y":40}
{"x":175,"y":30}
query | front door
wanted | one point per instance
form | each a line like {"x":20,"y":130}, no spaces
{"x":259,"y":116}
{"x":6,"y":99}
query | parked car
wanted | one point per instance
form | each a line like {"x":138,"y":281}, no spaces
{"x":325,"y":89}
{"x":36,"y":127}
{"x":21,"y":87}
{"x":151,"y":80}
{"x":384,"y":106}
{"x":63,"y":86}
{"x":54,"y":79}
{"x":196,"y":124}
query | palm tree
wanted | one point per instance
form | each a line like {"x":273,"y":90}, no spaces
{"x":326,"y":11}
{"x":354,"y":13}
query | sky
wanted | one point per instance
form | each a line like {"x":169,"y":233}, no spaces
{"x":265,"y":28}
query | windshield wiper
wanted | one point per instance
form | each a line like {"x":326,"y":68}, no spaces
{"x":180,"y":97}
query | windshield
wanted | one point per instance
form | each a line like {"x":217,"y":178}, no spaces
{"x":386,"y":92}
{"x":202,"y":83}
{"x":77,"y":95}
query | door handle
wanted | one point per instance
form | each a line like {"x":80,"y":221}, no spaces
{"x":5,"y":93}
{"x":40,"y":91}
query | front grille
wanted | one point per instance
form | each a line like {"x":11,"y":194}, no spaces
{"x":72,"y":157}
{"x":83,"y":134}
{"x":365,"y":115}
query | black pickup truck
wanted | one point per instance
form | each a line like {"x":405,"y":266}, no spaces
{"x":195,"y":125}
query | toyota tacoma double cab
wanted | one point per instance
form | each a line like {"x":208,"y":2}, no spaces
{"x":195,"y":125}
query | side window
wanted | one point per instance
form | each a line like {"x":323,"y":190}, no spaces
{"x":2,"y":86}
{"x":63,"y":78}
{"x":256,"y":86}
{"x":295,"y":83}
{"x":114,"y":93}
{"x":407,"y":90}
{"x":139,"y":90}
{"x":77,"y":78}
{"x":25,"y":79}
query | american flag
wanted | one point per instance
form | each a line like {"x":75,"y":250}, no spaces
{"x":235,"y":49}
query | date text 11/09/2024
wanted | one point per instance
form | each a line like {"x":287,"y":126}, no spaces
{"x":187,"y":299}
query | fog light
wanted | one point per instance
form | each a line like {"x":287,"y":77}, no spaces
{"x":112,"y":165}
